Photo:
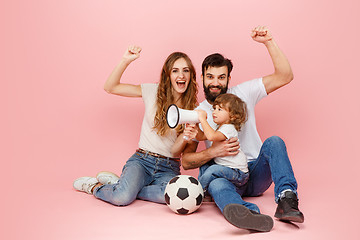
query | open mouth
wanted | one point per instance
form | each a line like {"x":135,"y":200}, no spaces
{"x":181,"y":83}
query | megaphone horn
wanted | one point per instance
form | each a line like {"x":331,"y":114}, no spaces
{"x":176,"y":116}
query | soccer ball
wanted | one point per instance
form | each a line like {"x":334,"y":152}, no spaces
{"x":184,"y":194}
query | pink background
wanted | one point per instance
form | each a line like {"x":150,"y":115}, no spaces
{"x":58,"y":123}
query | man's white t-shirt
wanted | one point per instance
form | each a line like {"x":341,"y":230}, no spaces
{"x":251,"y":92}
{"x":149,"y":139}
{"x":238,"y":161}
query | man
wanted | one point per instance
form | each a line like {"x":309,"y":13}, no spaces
{"x":268,"y":162}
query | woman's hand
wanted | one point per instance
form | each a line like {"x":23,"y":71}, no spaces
{"x":113,"y":84}
{"x":183,"y":139}
{"x":190,"y":132}
{"x":132,"y":53}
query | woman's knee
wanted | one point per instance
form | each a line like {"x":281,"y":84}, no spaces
{"x":122,"y":200}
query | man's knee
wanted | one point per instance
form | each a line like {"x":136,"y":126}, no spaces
{"x":275,"y":141}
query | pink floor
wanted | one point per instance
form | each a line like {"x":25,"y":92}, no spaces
{"x":56,"y":211}
{"x":57,"y":123}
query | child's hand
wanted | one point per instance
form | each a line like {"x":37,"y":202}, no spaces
{"x":202,"y":114}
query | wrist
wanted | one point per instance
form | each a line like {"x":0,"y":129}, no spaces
{"x":184,"y":139}
{"x":211,"y":153}
{"x":270,"y":42}
{"x":125,"y":61}
{"x":203,"y":121}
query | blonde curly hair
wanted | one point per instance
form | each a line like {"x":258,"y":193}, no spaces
{"x":165,"y":97}
{"x":236,"y":108}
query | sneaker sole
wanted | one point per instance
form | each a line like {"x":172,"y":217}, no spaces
{"x":291,"y":217}
{"x":241,"y":217}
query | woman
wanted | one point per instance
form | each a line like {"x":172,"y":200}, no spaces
{"x":157,"y":161}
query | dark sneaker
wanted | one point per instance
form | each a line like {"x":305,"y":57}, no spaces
{"x":288,"y":210}
{"x":242,"y":217}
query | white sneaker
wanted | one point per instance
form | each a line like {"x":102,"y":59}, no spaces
{"x":85,"y":184}
{"x":107,"y":177}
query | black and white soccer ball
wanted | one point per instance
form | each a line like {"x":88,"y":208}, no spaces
{"x":184,"y":194}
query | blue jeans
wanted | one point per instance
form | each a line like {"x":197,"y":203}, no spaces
{"x":144,"y":177}
{"x":236,"y":176}
{"x":272,"y":165}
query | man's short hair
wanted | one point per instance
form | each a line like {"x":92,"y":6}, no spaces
{"x":216,"y":60}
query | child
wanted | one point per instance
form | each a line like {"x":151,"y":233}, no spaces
{"x":229,"y":114}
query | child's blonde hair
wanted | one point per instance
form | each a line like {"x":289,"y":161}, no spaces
{"x":235,"y":106}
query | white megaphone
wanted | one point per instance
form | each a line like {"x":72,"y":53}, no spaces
{"x":176,"y":116}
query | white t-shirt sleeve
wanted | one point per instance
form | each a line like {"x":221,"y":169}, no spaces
{"x":228,"y":130}
{"x":253,"y":91}
{"x":147,"y":92}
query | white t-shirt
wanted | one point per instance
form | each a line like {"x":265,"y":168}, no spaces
{"x":149,"y":139}
{"x":238,"y":161}
{"x":251,"y":92}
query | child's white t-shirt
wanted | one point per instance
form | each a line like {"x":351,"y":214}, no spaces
{"x":251,"y":92}
{"x":238,"y":161}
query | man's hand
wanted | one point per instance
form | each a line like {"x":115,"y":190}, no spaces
{"x":132,"y":53}
{"x":225,"y":148}
{"x":261,"y":34}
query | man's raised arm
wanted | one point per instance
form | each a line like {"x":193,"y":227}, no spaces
{"x":282,"y":70}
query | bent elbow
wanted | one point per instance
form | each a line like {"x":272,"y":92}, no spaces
{"x":185,"y":166}
{"x":211,"y":138}
{"x":108,"y":90}
{"x":287,"y":78}
{"x":175,"y":154}
{"x":290,"y":77}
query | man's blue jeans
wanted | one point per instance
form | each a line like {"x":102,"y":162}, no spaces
{"x":272,"y":165}
{"x":144,"y":177}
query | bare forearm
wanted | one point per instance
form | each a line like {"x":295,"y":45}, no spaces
{"x":208,"y":131}
{"x":113,"y":85}
{"x":191,"y":160}
{"x":114,"y":78}
{"x":281,"y":64}
{"x":178,"y":146}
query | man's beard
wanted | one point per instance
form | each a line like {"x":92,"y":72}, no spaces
{"x":212,"y":96}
